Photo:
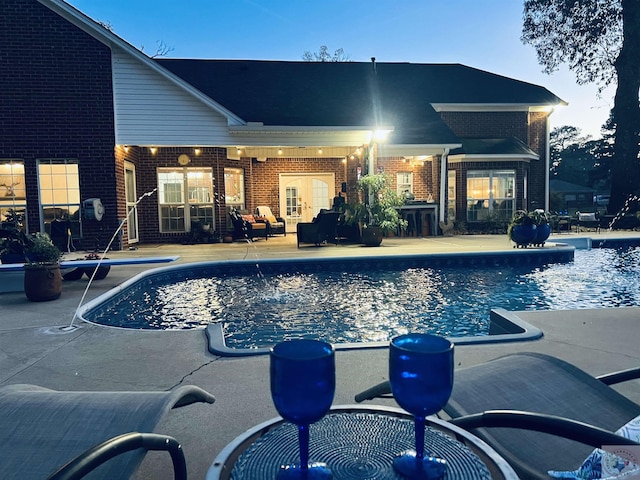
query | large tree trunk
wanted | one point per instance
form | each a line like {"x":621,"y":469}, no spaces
{"x":626,"y":111}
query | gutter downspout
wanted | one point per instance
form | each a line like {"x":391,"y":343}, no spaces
{"x":443,"y":183}
{"x":547,"y":162}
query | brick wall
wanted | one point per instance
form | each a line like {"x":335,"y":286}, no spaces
{"x":56,"y":102}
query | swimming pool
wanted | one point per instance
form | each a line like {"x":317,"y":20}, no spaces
{"x":367,"y":300}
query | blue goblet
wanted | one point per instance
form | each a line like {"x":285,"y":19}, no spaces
{"x":303,"y":382}
{"x":421,"y":377}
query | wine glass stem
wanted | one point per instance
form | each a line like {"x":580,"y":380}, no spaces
{"x":419,"y":421}
{"x":303,"y":439}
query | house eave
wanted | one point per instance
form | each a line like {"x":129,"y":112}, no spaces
{"x":491,"y":158}
{"x":494,"y":107}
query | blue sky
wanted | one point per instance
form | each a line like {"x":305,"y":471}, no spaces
{"x":482,"y":34}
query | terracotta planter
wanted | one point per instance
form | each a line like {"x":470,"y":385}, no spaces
{"x":42,"y":282}
{"x":372,"y":236}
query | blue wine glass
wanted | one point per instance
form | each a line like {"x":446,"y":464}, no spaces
{"x":303,"y":382}
{"x":421,"y":377}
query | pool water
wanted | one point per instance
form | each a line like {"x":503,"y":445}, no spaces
{"x":373,"y":306}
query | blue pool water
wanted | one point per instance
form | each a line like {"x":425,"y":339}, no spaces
{"x":343,"y":304}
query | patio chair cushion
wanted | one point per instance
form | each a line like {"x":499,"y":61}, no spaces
{"x":249,"y":218}
{"x":605,"y":464}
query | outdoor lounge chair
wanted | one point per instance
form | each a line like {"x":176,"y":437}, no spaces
{"x":276,"y":225}
{"x":321,"y":230}
{"x":521,"y":395}
{"x":588,"y":220}
{"x":44,"y":431}
{"x":247,"y":227}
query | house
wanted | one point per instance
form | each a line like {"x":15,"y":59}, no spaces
{"x":90,"y":124}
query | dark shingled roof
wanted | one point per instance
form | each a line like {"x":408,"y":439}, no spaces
{"x":350,"y":94}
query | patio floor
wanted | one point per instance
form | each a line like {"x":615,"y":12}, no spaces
{"x":34,"y":350}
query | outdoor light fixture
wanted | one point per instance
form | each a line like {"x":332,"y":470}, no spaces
{"x":153,"y":150}
{"x":279,"y":151}
{"x":126,"y":149}
{"x":381,"y":135}
{"x":320,"y":150}
{"x":238,"y":150}
{"x":196,"y":151}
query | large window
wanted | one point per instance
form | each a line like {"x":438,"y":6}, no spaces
{"x":490,"y":194}
{"x":59,"y":184}
{"x":234,"y":188}
{"x":13,"y":193}
{"x":185,"y":197}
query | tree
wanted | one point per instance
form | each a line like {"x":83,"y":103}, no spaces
{"x":600,"y":42}
{"x":323,"y":55}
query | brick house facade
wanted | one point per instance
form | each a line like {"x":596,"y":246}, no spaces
{"x":64,"y":108}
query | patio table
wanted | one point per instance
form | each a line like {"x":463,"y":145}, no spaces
{"x":357,"y":442}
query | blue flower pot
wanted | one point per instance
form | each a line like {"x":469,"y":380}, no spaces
{"x":542,"y":233}
{"x":523,"y":235}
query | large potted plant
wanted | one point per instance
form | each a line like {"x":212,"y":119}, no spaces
{"x":529,"y":228}
{"x":42,"y":276}
{"x":377,"y":208}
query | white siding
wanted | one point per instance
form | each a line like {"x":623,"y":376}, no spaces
{"x":152,"y":110}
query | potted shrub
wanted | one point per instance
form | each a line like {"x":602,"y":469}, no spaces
{"x":101,"y":271}
{"x":42,"y":276}
{"x":529,"y":228}
{"x":13,"y":240}
{"x":543,"y":228}
{"x":377,"y":209}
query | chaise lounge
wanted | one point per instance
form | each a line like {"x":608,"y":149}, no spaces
{"x":66,"y":434}
{"x":538,"y":412}
{"x":247,"y":227}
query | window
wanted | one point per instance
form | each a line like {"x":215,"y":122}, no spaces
{"x":234,"y":187}
{"x":185,"y":196}
{"x":404,"y":181}
{"x":59,"y":183}
{"x":490,"y":194}
{"x":13,"y":193}
{"x":451,"y":195}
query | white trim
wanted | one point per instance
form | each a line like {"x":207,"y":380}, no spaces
{"x":494,"y":107}
{"x":410,"y":150}
{"x":491,"y":158}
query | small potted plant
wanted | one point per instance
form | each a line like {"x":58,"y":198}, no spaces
{"x":42,"y":276}
{"x":101,"y":270}
{"x":543,"y":228}
{"x":377,"y":210}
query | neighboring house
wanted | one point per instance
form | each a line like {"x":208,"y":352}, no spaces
{"x":569,"y":197}
{"x":84,"y":115}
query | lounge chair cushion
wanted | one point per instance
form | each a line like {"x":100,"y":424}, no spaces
{"x":605,"y":464}
{"x":249,"y":218}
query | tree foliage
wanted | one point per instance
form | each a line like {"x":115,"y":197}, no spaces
{"x":600,"y":42}
{"x":323,"y":55}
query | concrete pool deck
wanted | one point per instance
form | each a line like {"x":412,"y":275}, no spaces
{"x":34,"y":350}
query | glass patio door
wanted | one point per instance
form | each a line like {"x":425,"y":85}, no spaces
{"x":303,"y":195}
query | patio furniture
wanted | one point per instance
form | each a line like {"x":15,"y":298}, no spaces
{"x":588,"y":220}
{"x":321,"y":230}
{"x":522,"y":395}
{"x":247,"y":226}
{"x":42,"y":430}
{"x":357,"y":442}
{"x":275,"y":225}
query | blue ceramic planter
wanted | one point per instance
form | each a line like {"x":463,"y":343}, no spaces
{"x":523,"y":235}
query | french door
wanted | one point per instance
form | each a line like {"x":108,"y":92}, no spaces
{"x":302,"y":195}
